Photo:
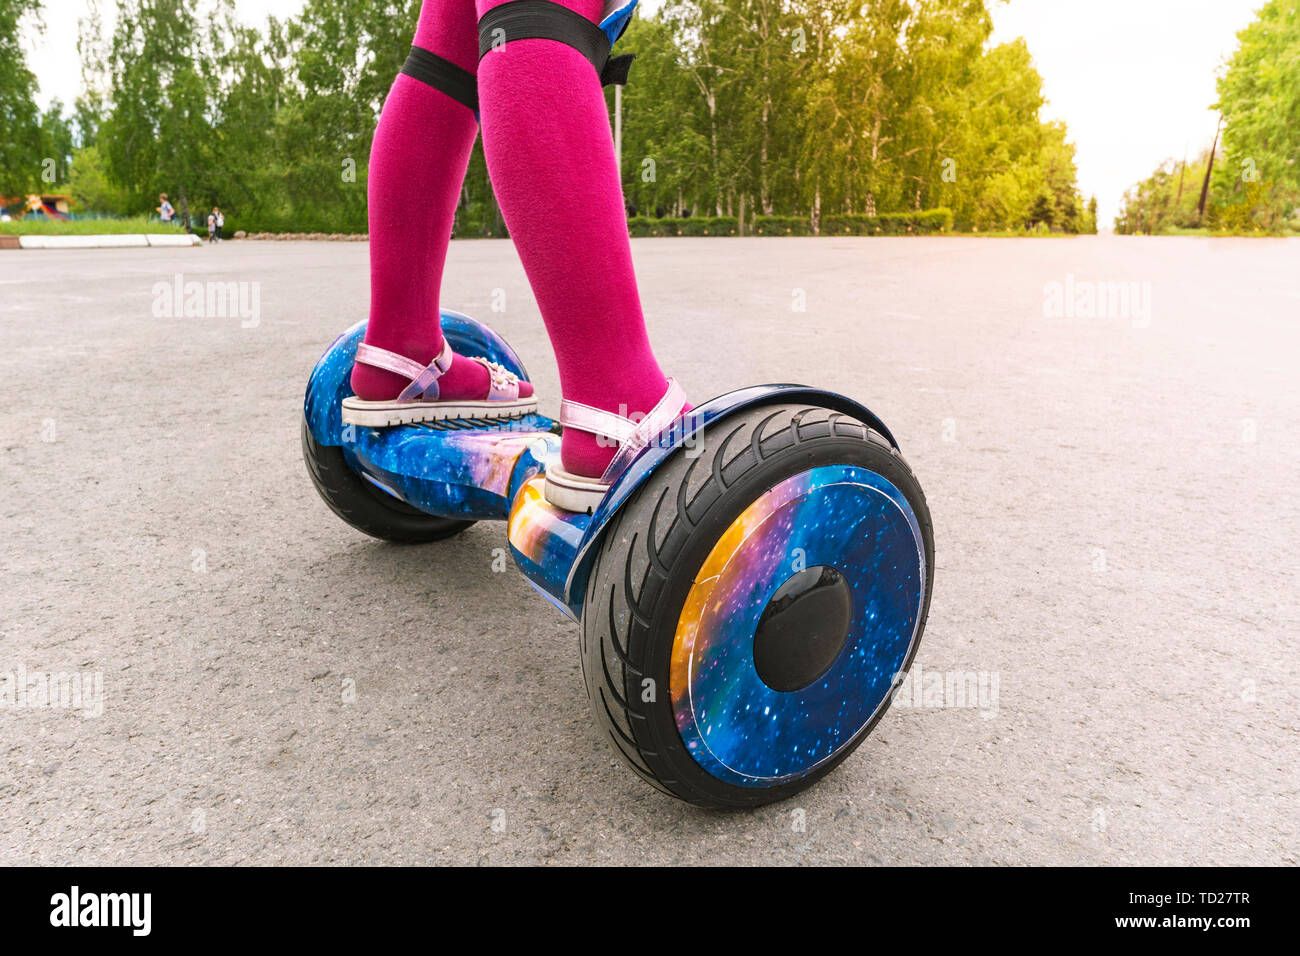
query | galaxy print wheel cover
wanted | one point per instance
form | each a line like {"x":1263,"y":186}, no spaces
{"x":735,"y":726}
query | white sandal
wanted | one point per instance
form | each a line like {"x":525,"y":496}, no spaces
{"x":419,"y":402}
{"x":582,"y":494}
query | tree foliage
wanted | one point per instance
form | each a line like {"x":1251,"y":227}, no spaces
{"x":1255,"y":180}
{"x":813,"y":109}
{"x":22,"y":141}
{"x":1258,"y":183}
{"x":827,"y":107}
{"x":1167,"y":200}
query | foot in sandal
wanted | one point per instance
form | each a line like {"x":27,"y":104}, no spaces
{"x":598,"y":445}
{"x":450,"y":386}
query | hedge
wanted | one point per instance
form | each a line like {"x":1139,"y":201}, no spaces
{"x":925,"y":222}
{"x":691,"y":226}
{"x":470,"y":224}
{"x":782,"y":226}
{"x":332,"y":221}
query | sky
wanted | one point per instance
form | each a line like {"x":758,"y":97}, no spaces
{"x":1132,"y":79}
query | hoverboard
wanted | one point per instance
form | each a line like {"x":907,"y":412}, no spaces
{"x":750,"y":591}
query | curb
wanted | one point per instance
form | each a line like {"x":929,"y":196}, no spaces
{"x":125,"y":240}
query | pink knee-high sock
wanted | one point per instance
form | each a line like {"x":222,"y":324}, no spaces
{"x":550,"y":153}
{"x":417,"y":164}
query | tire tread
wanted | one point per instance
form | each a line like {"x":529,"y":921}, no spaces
{"x":614,"y":664}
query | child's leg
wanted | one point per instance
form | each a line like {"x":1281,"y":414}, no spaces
{"x":551,"y":157}
{"x":417,"y":165}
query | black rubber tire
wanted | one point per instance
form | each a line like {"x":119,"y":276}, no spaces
{"x":655,"y":546}
{"x":364,"y":506}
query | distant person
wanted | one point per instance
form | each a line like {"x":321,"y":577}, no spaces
{"x":218,"y":222}
{"x":212,"y":225}
{"x":165,"y":210}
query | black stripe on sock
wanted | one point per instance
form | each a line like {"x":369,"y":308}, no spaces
{"x":443,"y":75}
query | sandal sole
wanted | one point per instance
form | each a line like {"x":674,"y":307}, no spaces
{"x":573,"y":492}
{"x":357,"y":411}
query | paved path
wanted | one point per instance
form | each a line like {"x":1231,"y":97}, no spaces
{"x":1116,"y":521}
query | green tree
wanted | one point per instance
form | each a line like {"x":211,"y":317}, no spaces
{"x":1060,"y":176}
{"x":254,"y":84}
{"x":666,"y":159}
{"x":57,"y":140}
{"x":1010,"y":168}
{"x":1090,"y":218}
{"x":93,"y":50}
{"x":91,"y":188}
{"x":345,"y":54}
{"x":158,"y":137}
{"x":812,"y":107}
{"x":778,"y":107}
{"x":1259,"y":97}
{"x":21,"y":141}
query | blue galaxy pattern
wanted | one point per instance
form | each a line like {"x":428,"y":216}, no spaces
{"x":454,"y":469}
{"x":734,"y":725}
{"x":544,"y":541}
{"x":470,"y":472}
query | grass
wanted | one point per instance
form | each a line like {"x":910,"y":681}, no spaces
{"x":1232,"y":233}
{"x":34,"y":226}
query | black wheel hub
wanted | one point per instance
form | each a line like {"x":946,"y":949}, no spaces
{"x":803,"y":628}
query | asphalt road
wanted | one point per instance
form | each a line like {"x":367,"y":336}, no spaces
{"x":1115,"y":512}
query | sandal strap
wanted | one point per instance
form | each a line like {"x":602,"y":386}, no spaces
{"x":631,"y":436}
{"x":424,"y":378}
{"x":597,"y":421}
{"x":503,"y":384}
